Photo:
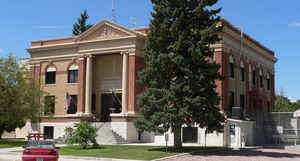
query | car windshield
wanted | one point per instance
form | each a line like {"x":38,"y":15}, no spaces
{"x":40,"y":145}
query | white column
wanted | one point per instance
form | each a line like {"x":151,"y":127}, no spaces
{"x":88,"y":87}
{"x":124,"y":82}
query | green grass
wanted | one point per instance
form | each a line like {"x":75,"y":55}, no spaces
{"x":9,"y":143}
{"x":127,"y":151}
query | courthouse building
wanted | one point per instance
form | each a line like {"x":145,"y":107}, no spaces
{"x":93,"y":77}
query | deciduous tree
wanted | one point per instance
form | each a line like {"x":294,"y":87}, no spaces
{"x":19,"y":96}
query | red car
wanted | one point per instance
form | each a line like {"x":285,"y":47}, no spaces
{"x":40,"y":150}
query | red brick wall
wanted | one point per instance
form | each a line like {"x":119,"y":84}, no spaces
{"x":136,"y":64}
{"x":81,"y":85}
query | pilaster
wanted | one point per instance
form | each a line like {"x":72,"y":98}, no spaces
{"x":81,"y":85}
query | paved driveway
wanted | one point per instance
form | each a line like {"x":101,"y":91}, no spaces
{"x":243,"y":155}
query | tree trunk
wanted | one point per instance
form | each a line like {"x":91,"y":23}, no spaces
{"x":1,"y":133}
{"x":177,"y":138}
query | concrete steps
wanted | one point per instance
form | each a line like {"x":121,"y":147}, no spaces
{"x":107,"y":136}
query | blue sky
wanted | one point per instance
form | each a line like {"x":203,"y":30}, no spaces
{"x":273,"y":23}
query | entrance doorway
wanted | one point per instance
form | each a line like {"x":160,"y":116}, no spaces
{"x":190,"y":134}
{"x":49,"y":131}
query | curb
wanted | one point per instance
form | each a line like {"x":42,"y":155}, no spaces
{"x":193,"y":152}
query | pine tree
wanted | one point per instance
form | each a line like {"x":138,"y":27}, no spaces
{"x":81,"y":25}
{"x":179,"y":76}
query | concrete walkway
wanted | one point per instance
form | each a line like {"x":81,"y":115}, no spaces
{"x":7,"y":154}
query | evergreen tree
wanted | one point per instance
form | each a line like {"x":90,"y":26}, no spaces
{"x":81,"y":25}
{"x":179,"y":76}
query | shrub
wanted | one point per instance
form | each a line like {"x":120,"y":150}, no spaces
{"x":83,"y":134}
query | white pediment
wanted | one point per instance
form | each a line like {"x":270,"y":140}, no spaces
{"x":105,"y":30}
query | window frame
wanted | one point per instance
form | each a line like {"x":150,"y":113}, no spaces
{"x":73,"y":73}
{"x":231,"y":102}
{"x":73,"y":105}
{"x":50,"y":75}
{"x":48,"y":100}
{"x":268,"y":82}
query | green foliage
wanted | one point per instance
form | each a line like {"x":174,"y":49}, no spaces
{"x":81,"y":25}
{"x":283,"y":104}
{"x":19,"y":96}
{"x":179,"y":78}
{"x":12,"y":143}
{"x":83,"y":134}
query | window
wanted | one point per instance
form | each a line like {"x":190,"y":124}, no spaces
{"x":242,"y":104}
{"x":73,"y":105}
{"x":242,"y":72}
{"x":268,"y":106}
{"x":49,"y":103}
{"x":231,"y":67}
{"x":73,"y":74}
{"x":254,"y":77}
{"x":230,"y":102}
{"x":261,"y":80}
{"x":49,"y":131}
{"x":268,"y":82}
{"x":50,"y":75}
{"x":242,"y":101}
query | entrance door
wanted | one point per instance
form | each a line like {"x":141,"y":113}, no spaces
{"x":190,"y":134}
{"x":49,"y":131}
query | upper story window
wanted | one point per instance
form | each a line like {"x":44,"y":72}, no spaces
{"x":268,"y":82}
{"x":50,"y":75}
{"x":73,"y":74}
{"x":230,"y":102}
{"x":49,"y":102}
{"x":72,"y":109}
{"x":242,"y":72}
{"x":231,"y":67}
{"x":253,"y":77}
{"x":250,"y":75}
{"x":261,"y":80}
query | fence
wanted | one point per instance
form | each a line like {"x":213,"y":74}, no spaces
{"x":282,"y":128}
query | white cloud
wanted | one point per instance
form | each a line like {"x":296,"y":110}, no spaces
{"x":292,"y":100}
{"x":1,"y":50}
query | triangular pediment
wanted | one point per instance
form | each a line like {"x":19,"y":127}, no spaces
{"x":105,"y":30}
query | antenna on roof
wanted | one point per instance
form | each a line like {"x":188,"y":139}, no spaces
{"x":133,"y":21}
{"x":113,"y":11}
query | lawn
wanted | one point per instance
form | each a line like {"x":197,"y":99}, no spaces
{"x":9,"y":143}
{"x":127,"y":152}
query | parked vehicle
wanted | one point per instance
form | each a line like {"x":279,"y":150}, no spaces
{"x":40,"y":150}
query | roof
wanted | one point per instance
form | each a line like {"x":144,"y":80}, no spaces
{"x":142,"y":31}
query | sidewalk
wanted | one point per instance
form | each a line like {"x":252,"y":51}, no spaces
{"x":8,"y":154}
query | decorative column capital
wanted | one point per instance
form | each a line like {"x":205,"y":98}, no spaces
{"x":124,"y":52}
{"x":89,"y":56}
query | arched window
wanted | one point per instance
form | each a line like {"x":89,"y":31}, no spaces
{"x":231,"y":67}
{"x":261,"y":80}
{"x":253,"y":76}
{"x":268,"y":81}
{"x":50,"y":75}
{"x":242,"y":72}
{"x":73,"y":73}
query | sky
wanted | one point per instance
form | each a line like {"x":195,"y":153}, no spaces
{"x":273,"y":23}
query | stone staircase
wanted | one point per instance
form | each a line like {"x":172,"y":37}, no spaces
{"x":107,"y":136}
